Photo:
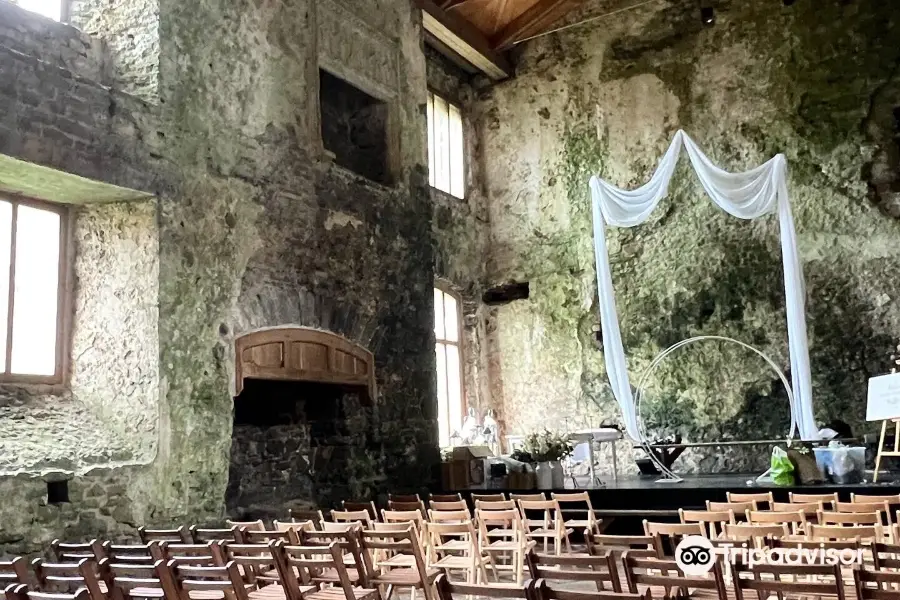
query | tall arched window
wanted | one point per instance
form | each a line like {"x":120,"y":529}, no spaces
{"x":449,"y":363}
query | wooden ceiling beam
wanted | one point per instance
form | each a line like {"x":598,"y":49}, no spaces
{"x":451,"y":4}
{"x":464,"y":39}
{"x":543,"y":13}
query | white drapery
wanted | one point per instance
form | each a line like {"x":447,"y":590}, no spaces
{"x":746,"y":195}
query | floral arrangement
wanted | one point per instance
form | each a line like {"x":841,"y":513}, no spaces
{"x":547,"y":446}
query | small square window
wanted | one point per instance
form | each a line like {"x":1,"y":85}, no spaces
{"x":446,"y":167}
{"x":354,"y":128}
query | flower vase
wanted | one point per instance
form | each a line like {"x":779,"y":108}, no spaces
{"x":543,"y":473}
{"x":558,"y":475}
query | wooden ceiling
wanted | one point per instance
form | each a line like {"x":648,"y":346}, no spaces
{"x":480,"y":31}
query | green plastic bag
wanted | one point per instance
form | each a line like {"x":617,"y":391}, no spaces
{"x":782,"y":470}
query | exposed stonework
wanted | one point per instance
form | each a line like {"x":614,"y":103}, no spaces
{"x":606,"y":97}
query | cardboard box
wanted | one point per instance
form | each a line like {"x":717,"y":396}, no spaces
{"x":466,"y":467}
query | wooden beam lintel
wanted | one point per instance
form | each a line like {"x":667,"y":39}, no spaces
{"x":464,"y":39}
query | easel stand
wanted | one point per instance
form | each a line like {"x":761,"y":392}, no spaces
{"x":881,"y":450}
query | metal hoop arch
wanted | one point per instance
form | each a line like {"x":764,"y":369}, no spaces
{"x":668,"y":475}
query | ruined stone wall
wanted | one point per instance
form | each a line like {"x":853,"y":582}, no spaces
{"x":460,"y":231}
{"x":816,"y":81}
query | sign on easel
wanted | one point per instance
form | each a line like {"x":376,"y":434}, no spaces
{"x":883,"y":404}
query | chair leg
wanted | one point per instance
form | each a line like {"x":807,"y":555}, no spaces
{"x":568,"y":543}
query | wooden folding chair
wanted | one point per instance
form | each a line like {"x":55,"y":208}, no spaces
{"x":201,"y":535}
{"x":489,"y":497}
{"x":869,"y":499}
{"x":75,"y":551}
{"x":347,"y":541}
{"x":134,"y":554}
{"x":543,"y":591}
{"x":257,"y":525}
{"x":448,"y":590}
{"x":150,"y":581}
{"x":398,"y":506}
{"x":862,"y":533}
{"x":453,"y":546}
{"x":180,"y":535}
{"x":353,"y":516}
{"x":738,"y":508}
{"x":68,"y":577}
{"x":21,"y":592}
{"x":549,"y":526}
{"x":869,"y":517}
{"x":758,"y":535}
{"x":795,"y":520}
{"x":876,"y":584}
{"x":389,"y":572}
{"x":669,"y":534}
{"x":809,"y":509}
{"x":664,"y":573}
{"x":502,"y":534}
{"x":537,"y":497}
{"x":289,"y":536}
{"x":761,"y":497}
{"x":637,"y":545}
{"x":580,"y":499}
{"x":319,"y":565}
{"x":449,"y":516}
{"x":455,"y":505}
{"x":600,"y":570}
{"x":258,"y":566}
{"x":825,"y":499}
{"x":415,"y":517}
{"x":446,"y":498}
{"x":14,"y":572}
{"x":713,"y":521}
{"x":866,"y":507}
{"x":805,"y":580}
{"x":306,"y":514}
{"x":352,"y":506}
{"x":496,"y":505}
{"x":208,"y":554}
{"x":202,"y":583}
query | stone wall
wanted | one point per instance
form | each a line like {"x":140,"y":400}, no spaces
{"x":816,"y":81}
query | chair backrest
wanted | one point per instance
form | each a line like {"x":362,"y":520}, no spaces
{"x":14,"y":571}
{"x":353,"y":516}
{"x":416,"y":517}
{"x":863,"y":533}
{"x":547,"y":512}
{"x":829,"y":499}
{"x":810,"y":509}
{"x":446,"y":497}
{"x":582,"y":505}
{"x":395,"y":542}
{"x":757,"y":534}
{"x":404,"y":498}
{"x":455,"y":505}
{"x":886,"y":556}
{"x":307,"y":514}
{"x":796,"y":520}
{"x":133,"y":580}
{"x":209,"y":554}
{"x":75,"y":551}
{"x":738,"y":508}
{"x":21,"y":592}
{"x":601,"y":570}
{"x":200,"y":535}
{"x":295,"y":525}
{"x":489,"y":497}
{"x":128,"y":553}
{"x":225,"y":579}
{"x":449,"y":516}
{"x":400,"y":506}
{"x":347,"y":542}
{"x":256,"y":536}
{"x":713,"y":521}
{"x":876,"y":584}
{"x":870,"y":517}
{"x":818,"y":545}
{"x":257,"y":525}
{"x":180,"y":535}
{"x":668,"y":535}
{"x":495,"y":505}
{"x":866,"y":507}
{"x":68,"y":577}
{"x":302,"y":563}
{"x":449,"y":590}
{"x":257,"y":562}
{"x":369,"y":507}
{"x":544,"y":591}
{"x":759,"y":498}
{"x":868,"y":499}
{"x":530,"y":497}
{"x":440,"y":534}
{"x":638,"y":545}
{"x":665,"y":573}
{"x":804,"y":580}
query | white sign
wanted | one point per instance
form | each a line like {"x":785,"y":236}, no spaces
{"x":884,"y":398}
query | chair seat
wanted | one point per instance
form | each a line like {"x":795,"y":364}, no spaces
{"x":501,"y":532}
{"x":331,"y":575}
{"x":139,"y":592}
{"x":455,"y":545}
{"x":548,"y":533}
{"x":338,"y":594}
{"x":276,"y":592}
{"x":453,"y":562}
{"x":580,"y":524}
{"x":399,"y":560}
{"x":406,"y":577}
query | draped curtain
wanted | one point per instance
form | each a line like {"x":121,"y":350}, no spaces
{"x":746,"y":195}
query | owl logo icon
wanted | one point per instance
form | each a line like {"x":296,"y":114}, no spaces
{"x":695,"y":555}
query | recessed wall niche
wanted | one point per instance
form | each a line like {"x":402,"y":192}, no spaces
{"x":354,"y":128}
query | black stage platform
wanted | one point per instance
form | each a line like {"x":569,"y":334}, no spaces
{"x":633,"y":497}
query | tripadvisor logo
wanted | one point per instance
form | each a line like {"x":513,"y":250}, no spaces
{"x":696,"y":555}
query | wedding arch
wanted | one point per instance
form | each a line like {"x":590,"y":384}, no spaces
{"x":748,"y":195}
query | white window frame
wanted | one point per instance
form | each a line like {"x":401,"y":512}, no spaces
{"x":446,"y":146}
{"x":451,"y":393}
{"x":63,"y":9}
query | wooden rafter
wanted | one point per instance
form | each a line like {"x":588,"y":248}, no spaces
{"x":532,"y":21}
{"x":451,"y":4}
{"x":464,"y":39}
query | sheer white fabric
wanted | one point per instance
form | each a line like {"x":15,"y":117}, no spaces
{"x":747,"y":195}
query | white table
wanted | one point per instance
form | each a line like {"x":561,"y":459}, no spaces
{"x":604,"y":434}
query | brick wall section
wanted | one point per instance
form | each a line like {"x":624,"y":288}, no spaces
{"x":52,"y":117}
{"x":55,"y":43}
